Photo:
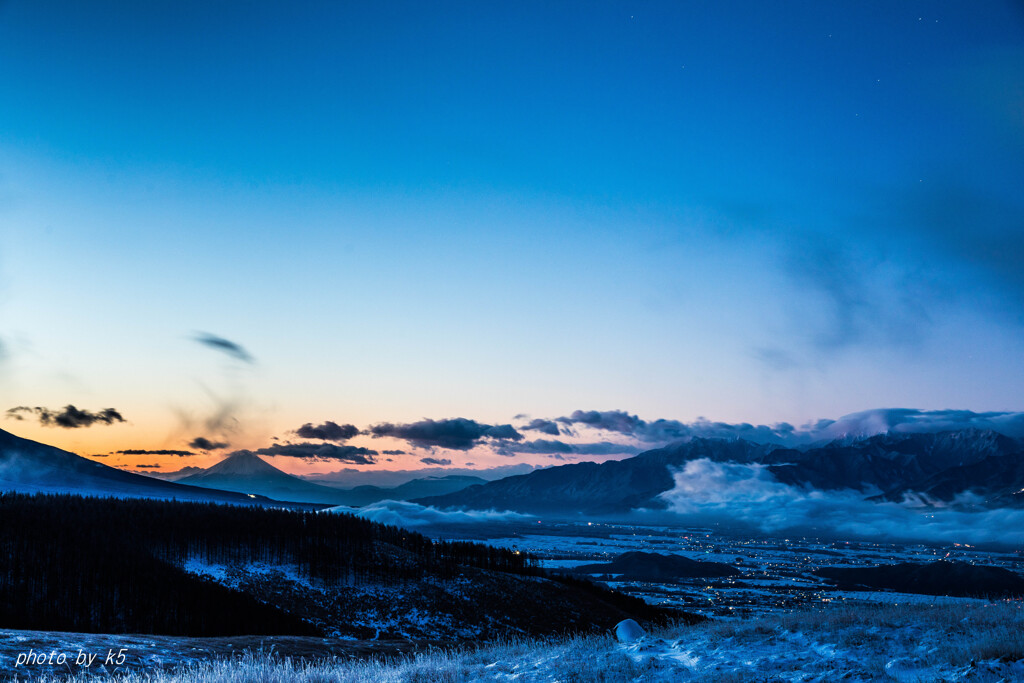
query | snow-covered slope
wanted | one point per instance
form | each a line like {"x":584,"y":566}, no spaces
{"x":906,"y":643}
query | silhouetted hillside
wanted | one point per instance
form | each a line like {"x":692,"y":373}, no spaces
{"x":103,"y":564}
{"x":938,"y":578}
{"x":641,"y":566}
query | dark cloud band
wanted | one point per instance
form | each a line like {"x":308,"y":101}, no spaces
{"x":459,"y":434}
{"x":328,"y":431}
{"x":204,"y":444}
{"x":68,"y":417}
{"x":355,"y":455}
{"x":137,"y":451}
{"x":232,"y":349}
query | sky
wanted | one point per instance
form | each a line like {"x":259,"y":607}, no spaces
{"x":433,"y":221}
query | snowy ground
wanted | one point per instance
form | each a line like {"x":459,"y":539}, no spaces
{"x":979,"y":642}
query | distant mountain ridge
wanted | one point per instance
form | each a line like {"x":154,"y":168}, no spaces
{"x":247,"y":473}
{"x":940,"y":465}
{"x":417,"y":488}
{"x":28,"y":466}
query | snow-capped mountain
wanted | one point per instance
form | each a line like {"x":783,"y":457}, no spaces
{"x":246,"y":472}
{"x":941,"y":465}
{"x":31,"y":467}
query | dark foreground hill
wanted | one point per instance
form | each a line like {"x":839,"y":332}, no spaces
{"x":143,"y":566}
{"x":640,"y":566}
{"x":938,"y":578}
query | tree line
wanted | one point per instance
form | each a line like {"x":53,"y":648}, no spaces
{"x":115,"y":565}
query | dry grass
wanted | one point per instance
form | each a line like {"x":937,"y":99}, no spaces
{"x":855,"y":642}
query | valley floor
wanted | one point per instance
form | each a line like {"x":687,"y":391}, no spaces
{"x":953,"y":642}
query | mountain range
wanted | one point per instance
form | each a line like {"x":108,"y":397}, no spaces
{"x":28,"y":467}
{"x":937,"y":466}
{"x":246,"y":472}
{"x":31,"y":467}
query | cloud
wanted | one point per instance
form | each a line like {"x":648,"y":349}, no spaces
{"x":609,"y":420}
{"x":541,"y":425}
{"x":458,"y":433}
{"x":863,"y":299}
{"x":136,"y":451}
{"x":204,"y":444}
{"x":393,"y":452}
{"x":909,"y":420}
{"x":919,"y":250}
{"x":320,"y":451}
{"x":731,"y":493}
{"x":555,"y":446}
{"x":411,"y":515}
{"x":225,"y":346}
{"x":69,"y":417}
{"x":148,"y":467}
{"x":503,"y":432}
{"x":630,"y":425}
{"x":860,"y":424}
{"x":440,"y":462}
{"x":972,"y":227}
{"x":328,"y":431}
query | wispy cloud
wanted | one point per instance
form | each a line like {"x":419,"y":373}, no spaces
{"x":225,"y":346}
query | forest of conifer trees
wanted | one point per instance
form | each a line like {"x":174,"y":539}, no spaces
{"x":111,"y":565}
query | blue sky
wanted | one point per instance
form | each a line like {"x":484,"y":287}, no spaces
{"x":746,"y":211}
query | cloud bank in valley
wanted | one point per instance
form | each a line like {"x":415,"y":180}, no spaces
{"x":707,"y":491}
{"x":411,"y":515}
